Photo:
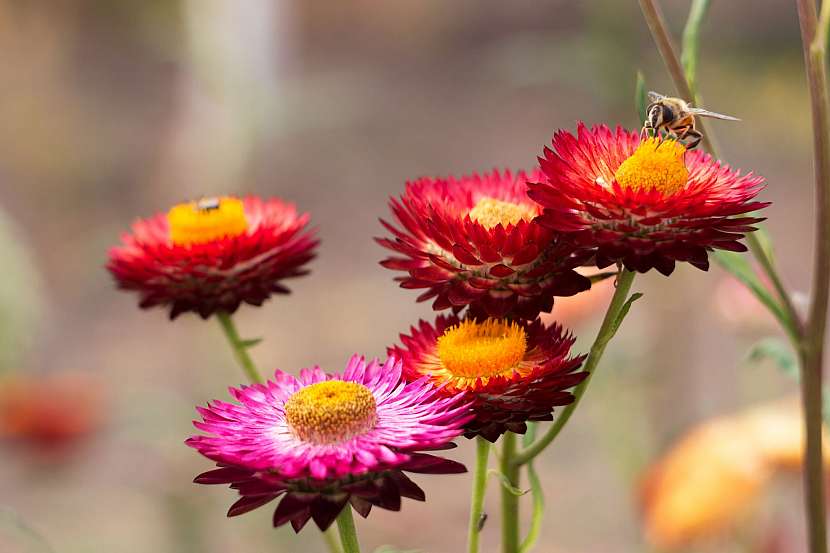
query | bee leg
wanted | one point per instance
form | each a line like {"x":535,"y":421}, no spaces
{"x":696,"y":137}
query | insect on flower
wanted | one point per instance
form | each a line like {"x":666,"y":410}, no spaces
{"x":677,"y":117}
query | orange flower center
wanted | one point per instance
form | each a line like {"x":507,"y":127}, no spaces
{"x":489,"y":212}
{"x":206,"y":220}
{"x":655,"y":164}
{"x":472,"y":350}
{"x":330,"y":412}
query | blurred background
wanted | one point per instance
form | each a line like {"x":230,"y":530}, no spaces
{"x":114,"y":110}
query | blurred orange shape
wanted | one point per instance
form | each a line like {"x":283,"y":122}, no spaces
{"x":51,"y":411}
{"x":713,"y":477}
{"x":573,"y":311}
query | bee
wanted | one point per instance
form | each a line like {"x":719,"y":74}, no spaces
{"x":208,"y":204}
{"x":677,"y":117}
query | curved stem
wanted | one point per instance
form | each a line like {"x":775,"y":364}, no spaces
{"x":606,"y":332}
{"x":479,"y":489}
{"x":509,"y":499}
{"x":813,"y":37}
{"x":240,"y":350}
{"x":348,"y":534}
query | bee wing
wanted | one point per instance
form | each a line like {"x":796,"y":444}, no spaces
{"x":706,"y":113}
{"x":654,"y":96}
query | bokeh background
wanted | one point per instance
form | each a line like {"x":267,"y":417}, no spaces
{"x":114,"y":110}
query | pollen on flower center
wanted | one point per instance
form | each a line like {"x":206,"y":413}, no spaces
{"x":489,"y":212}
{"x":471,"y":349}
{"x":330,"y":412}
{"x":206,"y":220}
{"x":655,"y":164}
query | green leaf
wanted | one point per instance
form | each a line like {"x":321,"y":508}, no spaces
{"x":538,"y":510}
{"x":641,"y":97}
{"x":530,"y":434}
{"x":738,"y":265}
{"x":22,"y":535}
{"x":691,"y":42}
{"x":599,"y":277}
{"x":505,"y":482}
{"x":778,"y":351}
{"x":764,"y":240}
{"x":775,"y":350}
{"x":624,"y":311}
{"x":250,"y":342}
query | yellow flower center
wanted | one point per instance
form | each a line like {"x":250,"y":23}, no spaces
{"x":206,"y":220}
{"x":489,"y":212}
{"x":655,"y":164}
{"x":474,"y":350}
{"x":330,"y":412}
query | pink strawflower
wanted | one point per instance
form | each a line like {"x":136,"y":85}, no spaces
{"x":323,"y":441}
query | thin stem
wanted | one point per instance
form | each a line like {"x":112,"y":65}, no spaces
{"x":808,"y":338}
{"x":813,"y":37}
{"x":659,"y":31}
{"x":691,"y":40}
{"x":332,"y":543}
{"x":657,"y":24}
{"x":509,"y":499}
{"x":348,"y":534}
{"x":477,"y":499}
{"x":792,"y":321}
{"x":606,"y":332}
{"x":240,"y":350}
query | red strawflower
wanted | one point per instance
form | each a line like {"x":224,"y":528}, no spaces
{"x":472,"y":241}
{"x":645,"y":204}
{"x":513,"y":372}
{"x":214,"y":254}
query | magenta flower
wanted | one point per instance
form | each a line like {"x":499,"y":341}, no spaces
{"x":323,"y":441}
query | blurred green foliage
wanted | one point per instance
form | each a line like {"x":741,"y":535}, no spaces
{"x":20,"y":297}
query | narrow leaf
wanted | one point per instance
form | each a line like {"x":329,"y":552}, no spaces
{"x":250,"y":342}
{"x":599,"y":277}
{"x":775,"y":350}
{"x":505,"y":482}
{"x":624,"y":311}
{"x":738,"y":265}
{"x":27,"y":537}
{"x":691,"y":42}
{"x":538,"y":510}
{"x":641,"y":97}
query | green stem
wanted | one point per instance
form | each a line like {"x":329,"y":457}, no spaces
{"x":240,"y":351}
{"x":333,"y":544}
{"x":691,"y":39}
{"x":681,"y":78}
{"x":606,"y":332}
{"x":477,"y":499}
{"x":348,"y":534}
{"x":657,"y":24}
{"x":509,"y":499}
{"x":808,"y":337}
{"x":813,"y":37}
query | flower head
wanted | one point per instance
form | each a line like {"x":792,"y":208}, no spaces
{"x":213,"y":254}
{"x":513,"y":372}
{"x":643,"y":203}
{"x":683,"y":496}
{"x":323,"y":441}
{"x":473,"y":241}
